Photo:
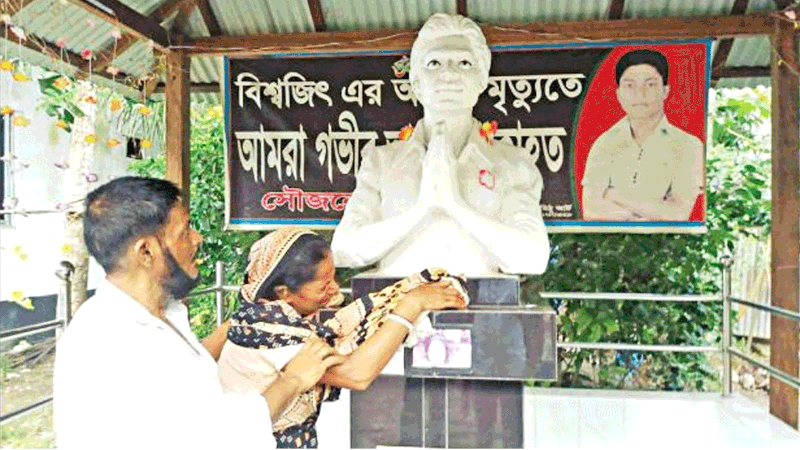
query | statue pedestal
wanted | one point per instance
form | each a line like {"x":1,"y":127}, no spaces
{"x":462,"y":388}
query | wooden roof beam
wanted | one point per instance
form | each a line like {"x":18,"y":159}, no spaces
{"x":510,"y":34}
{"x":115,"y":12}
{"x":725,"y":45}
{"x":615,"y":9}
{"x":105,"y":57}
{"x":210,"y":19}
{"x":315,"y":8}
{"x":168,"y":7}
{"x":12,"y":8}
{"x":744,"y":72}
{"x":461,"y":8}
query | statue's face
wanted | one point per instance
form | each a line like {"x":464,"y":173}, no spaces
{"x":449,"y":76}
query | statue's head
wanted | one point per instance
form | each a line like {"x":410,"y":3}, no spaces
{"x":450,"y":62}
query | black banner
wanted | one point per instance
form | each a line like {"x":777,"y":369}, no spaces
{"x":297,"y":125}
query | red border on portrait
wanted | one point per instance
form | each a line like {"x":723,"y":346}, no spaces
{"x":685,"y":106}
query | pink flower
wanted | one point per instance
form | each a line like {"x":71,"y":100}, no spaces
{"x":113,"y":70}
{"x":10,"y":203}
{"x":91,"y":177}
{"x":61,"y":43}
{"x":116,"y":34}
{"x":86,"y":54}
{"x":486,"y":179}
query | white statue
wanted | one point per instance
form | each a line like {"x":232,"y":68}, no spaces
{"x":447,"y":196}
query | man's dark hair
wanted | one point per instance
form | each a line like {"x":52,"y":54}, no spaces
{"x":650,"y":57}
{"x":123,"y":210}
{"x":297,"y":267}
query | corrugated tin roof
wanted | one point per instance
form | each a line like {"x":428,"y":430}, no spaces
{"x":505,"y":11}
{"x":60,"y":19}
{"x":241,"y":17}
{"x":348,"y":15}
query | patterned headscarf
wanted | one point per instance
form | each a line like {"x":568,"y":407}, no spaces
{"x":265,"y":254}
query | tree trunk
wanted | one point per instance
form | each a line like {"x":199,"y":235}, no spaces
{"x":77,"y":182}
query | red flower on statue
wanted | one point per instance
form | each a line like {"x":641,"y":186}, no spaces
{"x":488,"y":129}
{"x":486,"y":179}
{"x":406,"y":132}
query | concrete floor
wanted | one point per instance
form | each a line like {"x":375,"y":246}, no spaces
{"x":579,"y":418}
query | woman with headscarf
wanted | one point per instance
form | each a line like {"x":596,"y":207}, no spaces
{"x":290,"y":276}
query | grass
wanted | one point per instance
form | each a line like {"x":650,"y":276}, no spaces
{"x":32,"y":430}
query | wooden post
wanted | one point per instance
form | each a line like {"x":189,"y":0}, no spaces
{"x":783,"y":399}
{"x":177,"y":137}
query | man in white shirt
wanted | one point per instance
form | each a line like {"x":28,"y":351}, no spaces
{"x":129,"y":372}
{"x":643,"y":167}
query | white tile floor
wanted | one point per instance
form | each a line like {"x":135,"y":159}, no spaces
{"x":577,"y":418}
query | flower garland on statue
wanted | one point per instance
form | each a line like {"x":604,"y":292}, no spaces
{"x":487,"y":131}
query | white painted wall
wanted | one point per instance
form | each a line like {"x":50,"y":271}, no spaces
{"x":42,"y":145}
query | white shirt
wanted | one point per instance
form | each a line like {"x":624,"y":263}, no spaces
{"x":669,"y":162}
{"x":494,"y":179}
{"x":125,"y":379}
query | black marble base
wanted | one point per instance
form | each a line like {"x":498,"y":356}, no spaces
{"x":484,"y":291}
{"x":414,"y":412}
{"x":507,"y":344}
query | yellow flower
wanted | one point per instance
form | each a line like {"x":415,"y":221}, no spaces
{"x":17,"y":249}
{"x":406,"y":132}
{"x":91,"y":138}
{"x":19,"y":298}
{"x":115,"y":105}
{"x":6,"y":110}
{"x":144,"y":110}
{"x":61,"y":123}
{"x":66,"y":248}
{"x":6,"y":65}
{"x":145,"y":143}
{"x":19,"y":76}
{"x":61,"y":83}
{"x":90,"y":99}
{"x":112,"y":142}
{"x":23,"y":256}
{"x":20,"y":121}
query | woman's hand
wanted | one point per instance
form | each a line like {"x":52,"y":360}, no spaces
{"x":431,"y":297}
{"x":308,"y":366}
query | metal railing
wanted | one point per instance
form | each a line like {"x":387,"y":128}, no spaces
{"x":63,"y":317}
{"x":220,"y":288}
{"x":724,"y":297}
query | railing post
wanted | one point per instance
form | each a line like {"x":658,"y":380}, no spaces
{"x":220,"y":292}
{"x":64,"y":302}
{"x":727,"y":262}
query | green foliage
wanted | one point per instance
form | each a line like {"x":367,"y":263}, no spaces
{"x":133,"y":118}
{"x":738,"y":169}
{"x":207,"y":213}
{"x":60,"y":101}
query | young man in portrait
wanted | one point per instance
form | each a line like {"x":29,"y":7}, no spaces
{"x":643,"y":168}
